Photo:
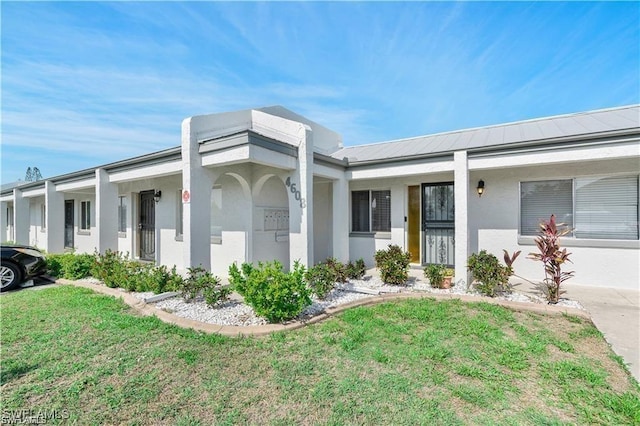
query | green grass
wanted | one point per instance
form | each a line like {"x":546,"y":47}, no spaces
{"x":409,"y":362}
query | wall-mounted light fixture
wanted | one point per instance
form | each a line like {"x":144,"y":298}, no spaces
{"x":480,"y":188}
{"x":157,"y":195}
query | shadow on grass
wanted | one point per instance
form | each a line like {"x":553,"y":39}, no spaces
{"x":13,"y":370}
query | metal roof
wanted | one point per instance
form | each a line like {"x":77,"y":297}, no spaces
{"x":590,"y":124}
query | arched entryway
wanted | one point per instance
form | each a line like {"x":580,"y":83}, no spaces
{"x":270,"y":220}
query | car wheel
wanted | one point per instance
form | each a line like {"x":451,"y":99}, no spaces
{"x":9,"y":276}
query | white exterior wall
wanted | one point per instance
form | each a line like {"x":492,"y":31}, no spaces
{"x":55,"y":218}
{"x":236,"y":224}
{"x":267,"y":246}
{"x":494,"y":225}
{"x":106,"y":212}
{"x":21,"y":217}
{"x":168,"y":246}
{"x":84,"y":241}
{"x":4,"y":225}
{"x":37,"y":234}
{"x":322,"y":221}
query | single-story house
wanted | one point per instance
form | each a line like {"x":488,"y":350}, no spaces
{"x":267,"y":183}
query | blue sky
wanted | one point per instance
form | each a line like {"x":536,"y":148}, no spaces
{"x":85,"y":84}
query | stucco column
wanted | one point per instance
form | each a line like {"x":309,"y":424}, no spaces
{"x":54,"y":219}
{"x":106,"y":212}
{"x":21,"y":217}
{"x":398,"y":213}
{"x":341,"y":219}
{"x":461,"y":193}
{"x":197,"y":206}
{"x":3,"y":221}
{"x":300,"y":192}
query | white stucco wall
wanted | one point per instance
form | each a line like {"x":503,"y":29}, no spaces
{"x":265,"y":246}
{"x":84,"y":241}
{"x":37,"y":234}
{"x":322,"y":221}
{"x":168,"y":247}
{"x":235,"y":222}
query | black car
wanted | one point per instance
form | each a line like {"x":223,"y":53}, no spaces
{"x":20,"y":263}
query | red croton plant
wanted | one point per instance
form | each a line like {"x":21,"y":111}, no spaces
{"x":552,"y":257}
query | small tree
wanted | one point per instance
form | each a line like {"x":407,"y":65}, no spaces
{"x":552,"y":257}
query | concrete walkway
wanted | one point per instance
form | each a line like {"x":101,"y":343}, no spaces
{"x":616,"y":313}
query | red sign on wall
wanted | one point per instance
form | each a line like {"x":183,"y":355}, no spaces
{"x":186,"y":197}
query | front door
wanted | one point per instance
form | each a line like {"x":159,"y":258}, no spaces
{"x":147,"y":226}
{"x":438,"y":224}
{"x":68,"y":223}
{"x":413,"y":223}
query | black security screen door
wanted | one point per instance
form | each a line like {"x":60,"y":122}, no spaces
{"x":68,"y":224}
{"x":438,"y":223}
{"x":147,"y":226}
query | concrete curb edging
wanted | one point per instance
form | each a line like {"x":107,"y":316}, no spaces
{"x":262,"y":330}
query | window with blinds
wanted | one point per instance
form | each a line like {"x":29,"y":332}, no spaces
{"x":539,"y":200}
{"x":593,"y":207}
{"x":607,"y":208}
{"x":85,"y":215}
{"x":371,"y":211}
{"x":122,"y":213}
{"x":43,"y":216}
{"x":381,"y":211}
{"x":360,"y":211}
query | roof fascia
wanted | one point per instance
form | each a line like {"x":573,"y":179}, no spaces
{"x":611,"y":138}
{"x":247,"y":137}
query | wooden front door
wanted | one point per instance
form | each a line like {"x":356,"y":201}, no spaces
{"x":413,"y":223}
{"x":147,"y":226}
{"x":68,"y":223}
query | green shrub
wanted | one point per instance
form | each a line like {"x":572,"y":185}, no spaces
{"x":111,"y":268}
{"x":115,"y":270}
{"x":435,"y":273}
{"x":356,"y":271}
{"x":201,"y":282}
{"x":70,"y":266}
{"x":272,"y":293}
{"x":321,"y":280}
{"x":166,"y":279}
{"x":492,"y":277}
{"x":338,"y":268}
{"x":393,"y":264}
{"x":54,"y":265}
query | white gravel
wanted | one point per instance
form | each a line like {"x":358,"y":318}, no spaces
{"x":236,"y":313}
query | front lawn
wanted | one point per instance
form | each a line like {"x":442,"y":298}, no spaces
{"x":409,"y":362}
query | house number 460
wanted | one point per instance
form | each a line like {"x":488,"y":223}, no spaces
{"x":296,"y":193}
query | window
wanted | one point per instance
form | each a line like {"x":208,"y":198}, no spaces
{"x":85,"y":215}
{"x":122,"y":214}
{"x":539,"y":200}
{"x":594,"y":207}
{"x":371,"y":211}
{"x":216,"y":214}
{"x":43,"y":216}
{"x":179,"y":215}
{"x":607,"y":208}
